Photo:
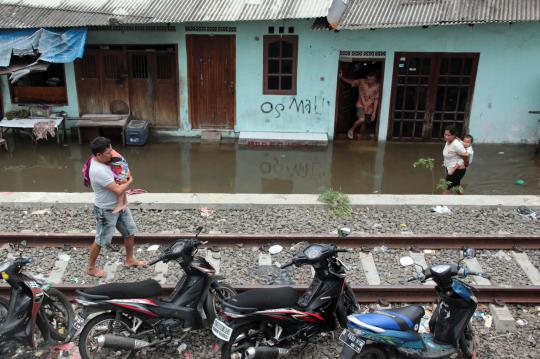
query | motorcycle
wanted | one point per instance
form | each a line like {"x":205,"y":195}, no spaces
{"x":133,"y":319}
{"x":270,"y":322}
{"x":34,"y":307}
{"x":392,"y":333}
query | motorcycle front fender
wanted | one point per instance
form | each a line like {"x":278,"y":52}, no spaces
{"x":347,"y":353}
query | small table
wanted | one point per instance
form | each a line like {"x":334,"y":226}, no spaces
{"x":101,"y":121}
{"x":28,"y":123}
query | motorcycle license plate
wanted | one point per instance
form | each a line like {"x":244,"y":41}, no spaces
{"x":352,"y":341}
{"x":221,"y":330}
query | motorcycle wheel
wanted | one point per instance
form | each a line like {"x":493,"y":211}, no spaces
{"x":467,"y":342}
{"x":4,"y":308}
{"x":100,"y":325}
{"x":59,"y":314}
{"x":243,"y":337}
{"x":213,"y":306}
{"x":371,"y":352}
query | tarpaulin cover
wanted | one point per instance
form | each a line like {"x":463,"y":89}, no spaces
{"x":53,"y":46}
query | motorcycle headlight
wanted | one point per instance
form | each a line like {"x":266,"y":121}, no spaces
{"x":5,"y":265}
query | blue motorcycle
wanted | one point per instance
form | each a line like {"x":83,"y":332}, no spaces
{"x":393,"y":333}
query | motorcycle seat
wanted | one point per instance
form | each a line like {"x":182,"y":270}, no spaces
{"x":264,"y":298}
{"x":144,"y":289}
{"x":403,"y":319}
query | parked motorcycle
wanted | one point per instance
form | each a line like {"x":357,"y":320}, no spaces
{"x":270,"y":322}
{"x":386,"y":334}
{"x":133,"y":319}
{"x":32,"y":304}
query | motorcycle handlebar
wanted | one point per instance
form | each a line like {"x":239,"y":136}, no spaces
{"x":154,"y":261}
{"x":23,"y":261}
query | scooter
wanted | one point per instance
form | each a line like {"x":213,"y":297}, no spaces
{"x":270,"y":322}
{"x":33,"y":305}
{"x":133,"y":319}
{"x":392,"y":333}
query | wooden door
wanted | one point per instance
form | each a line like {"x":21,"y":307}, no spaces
{"x":101,"y":79}
{"x":114,"y":78}
{"x":141,"y":85}
{"x":211,"y":66}
{"x":430,"y":92}
{"x":166,"y":90}
{"x":88,"y":74}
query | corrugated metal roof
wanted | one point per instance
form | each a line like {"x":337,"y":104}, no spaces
{"x":62,"y":13}
{"x":366,"y":14}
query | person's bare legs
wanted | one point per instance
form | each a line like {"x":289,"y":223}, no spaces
{"x":358,"y":122}
{"x":131,"y":261}
{"x":92,"y":269}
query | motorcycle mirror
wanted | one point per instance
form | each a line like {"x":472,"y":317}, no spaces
{"x":469,"y":253}
{"x":406,"y":261}
{"x":198,"y":230}
{"x":344,"y":231}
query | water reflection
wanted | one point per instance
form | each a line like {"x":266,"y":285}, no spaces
{"x":349,"y":166}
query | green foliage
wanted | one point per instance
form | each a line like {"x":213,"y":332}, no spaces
{"x":338,"y":202}
{"x":21,"y":113}
{"x":428,"y":164}
{"x":443,"y":184}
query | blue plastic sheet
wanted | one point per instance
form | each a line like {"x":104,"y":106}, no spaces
{"x":53,"y":46}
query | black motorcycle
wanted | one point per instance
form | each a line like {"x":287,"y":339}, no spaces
{"x":133,"y":319}
{"x":270,"y":322}
{"x":34,"y":308}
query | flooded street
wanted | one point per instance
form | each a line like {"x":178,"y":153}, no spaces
{"x":180,"y":165}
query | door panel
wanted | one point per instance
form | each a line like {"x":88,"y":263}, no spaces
{"x":211,"y":63}
{"x":114,"y":78}
{"x":430,"y":92}
{"x":166,"y":99}
{"x":141,"y":86}
{"x":88,"y":75}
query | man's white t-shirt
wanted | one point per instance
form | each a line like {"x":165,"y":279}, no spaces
{"x":101,"y":176}
{"x":451,"y":154}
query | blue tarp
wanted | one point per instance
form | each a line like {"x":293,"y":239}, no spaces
{"x":53,"y":46}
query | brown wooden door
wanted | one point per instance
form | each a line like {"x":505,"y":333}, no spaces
{"x":166,"y":90}
{"x":114,"y":78}
{"x":430,"y":92}
{"x":141,"y":86}
{"x":88,"y":74}
{"x":211,"y":66}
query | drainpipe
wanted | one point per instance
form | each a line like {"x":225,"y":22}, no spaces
{"x":335,"y":12}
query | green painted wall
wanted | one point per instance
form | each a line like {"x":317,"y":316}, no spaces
{"x":507,"y":84}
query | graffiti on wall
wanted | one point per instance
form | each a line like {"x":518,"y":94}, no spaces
{"x":304,"y":106}
{"x":285,"y":168}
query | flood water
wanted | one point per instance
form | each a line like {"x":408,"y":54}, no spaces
{"x":182,"y":165}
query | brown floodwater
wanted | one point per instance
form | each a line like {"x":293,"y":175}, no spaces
{"x":180,"y":165}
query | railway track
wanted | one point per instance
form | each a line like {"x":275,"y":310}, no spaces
{"x":405,"y":240}
{"x":373,"y":292}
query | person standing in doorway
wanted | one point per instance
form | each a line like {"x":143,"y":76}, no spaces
{"x":368,"y":100}
{"x":107,"y":191}
{"x":453,"y":154}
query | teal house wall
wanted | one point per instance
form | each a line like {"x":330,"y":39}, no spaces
{"x":507,"y":82}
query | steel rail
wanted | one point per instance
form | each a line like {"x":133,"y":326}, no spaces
{"x":407,"y":241}
{"x":379,"y":293}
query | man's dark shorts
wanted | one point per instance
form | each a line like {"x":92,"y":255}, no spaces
{"x":106,"y":222}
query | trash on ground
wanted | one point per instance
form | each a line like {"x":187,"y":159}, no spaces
{"x":382,"y":249}
{"x":527,"y":212}
{"x":501,"y":153}
{"x":521,"y":322}
{"x":429,"y":251}
{"x":205,"y":212}
{"x":153,"y":248}
{"x":42,"y":211}
{"x":441,"y":209}
{"x":520,"y":182}
{"x":275,"y":249}
{"x":488,"y":321}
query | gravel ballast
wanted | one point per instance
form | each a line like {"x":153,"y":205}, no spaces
{"x":287,"y":220}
